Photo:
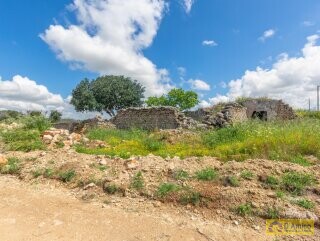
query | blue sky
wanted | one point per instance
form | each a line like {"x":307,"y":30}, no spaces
{"x":171,"y":47}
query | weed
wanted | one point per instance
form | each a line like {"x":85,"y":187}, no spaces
{"x":12,"y":167}
{"x":273,"y":213}
{"x":207,"y":174}
{"x":166,"y":188}
{"x":246,"y":174}
{"x":48,"y":173}
{"x":67,"y":176}
{"x":244,"y":209}
{"x":37,"y":173}
{"x":280,"y":194}
{"x":190,"y":197}
{"x":59,"y":144}
{"x":301,"y":161}
{"x":272,"y":181}
{"x":138,"y":182}
{"x":111,"y":188}
{"x":305,"y":203}
{"x":233,"y":181}
{"x":181,"y":175}
{"x":152,"y":145}
{"x":295,"y":182}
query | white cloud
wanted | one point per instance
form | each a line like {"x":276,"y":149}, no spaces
{"x":182,"y":71}
{"x":109,"y":39}
{"x":293,"y":79}
{"x":198,"y":84}
{"x":267,"y":34}
{"x":308,"y":23}
{"x":209,"y":43}
{"x":22,"y":94}
{"x":187,"y":5}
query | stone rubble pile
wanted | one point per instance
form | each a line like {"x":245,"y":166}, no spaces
{"x":60,"y":137}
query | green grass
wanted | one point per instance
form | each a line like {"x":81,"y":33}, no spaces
{"x":22,"y":140}
{"x":181,"y":175}
{"x":273,"y":213}
{"x":281,"y":140}
{"x":111,"y":189}
{"x":207,"y":174}
{"x":296,"y":182}
{"x":233,"y":181}
{"x":244,"y":209}
{"x":48,"y":173}
{"x":138,"y":182}
{"x":280,"y":194}
{"x":248,"y":175}
{"x":12,"y":167}
{"x":305,"y":203}
{"x":166,"y":188}
{"x":272,"y":181}
{"x":190,"y":197}
{"x":37,"y":173}
{"x":67,"y":176}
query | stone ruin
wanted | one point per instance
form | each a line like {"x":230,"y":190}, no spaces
{"x":268,"y":110}
{"x":151,"y":118}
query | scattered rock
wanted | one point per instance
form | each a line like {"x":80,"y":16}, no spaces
{"x":132,"y":164}
{"x":90,"y":185}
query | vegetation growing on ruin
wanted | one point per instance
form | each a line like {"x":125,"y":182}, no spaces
{"x":289,"y":141}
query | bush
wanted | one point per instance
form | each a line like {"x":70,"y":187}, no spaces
{"x":207,"y":174}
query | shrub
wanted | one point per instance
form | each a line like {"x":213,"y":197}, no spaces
{"x":67,"y":176}
{"x":207,"y":174}
{"x":244,"y":209}
{"x":166,"y":188}
{"x":296,"y":182}
{"x":138,"y":182}
{"x":248,"y":175}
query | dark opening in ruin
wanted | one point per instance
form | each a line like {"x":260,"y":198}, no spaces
{"x":261,"y":115}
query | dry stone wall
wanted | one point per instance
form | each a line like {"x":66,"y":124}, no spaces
{"x":269,"y":110}
{"x":152,"y":118}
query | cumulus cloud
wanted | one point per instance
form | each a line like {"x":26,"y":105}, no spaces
{"x":109,"y":38}
{"x":24,"y":94}
{"x":293,"y":79}
{"x":198,"y":84}
{"x":187,"y":5}
{"x":210,"y":43}
{"x":267,"y":34}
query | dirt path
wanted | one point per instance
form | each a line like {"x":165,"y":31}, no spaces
{"x":40,"y":212}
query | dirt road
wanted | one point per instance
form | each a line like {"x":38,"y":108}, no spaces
{"x":40,"y":212}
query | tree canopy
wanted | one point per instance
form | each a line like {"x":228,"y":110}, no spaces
{"x":107,"y":93}
{"x":179,"y":98}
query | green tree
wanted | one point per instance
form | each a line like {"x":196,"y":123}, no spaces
{"x":107,"y":93}
{"x":177,"y":98}
{"x":55,"y":116}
